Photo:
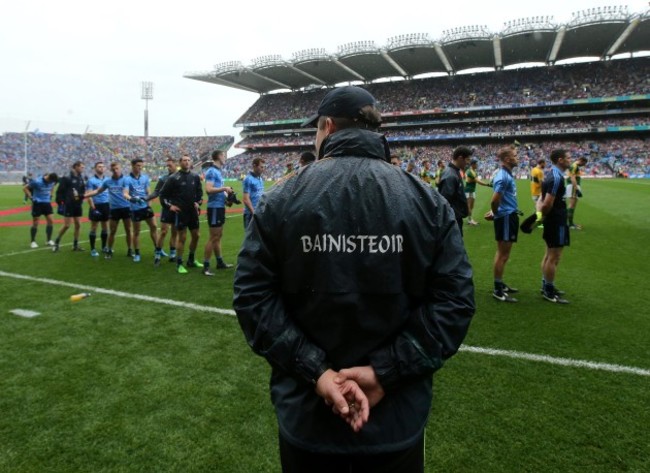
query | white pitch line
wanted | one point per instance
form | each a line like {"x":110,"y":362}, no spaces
{"x":127,"y":295}
{"x":585,"y":364}
{"x":557,"y":361}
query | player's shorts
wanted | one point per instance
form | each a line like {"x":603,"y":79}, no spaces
{"x":142,"y":214}
{"x":41,"y":208}
{"x":123,"y":213}
{"x":216,"y":217}
{"x":167,"y":216}
{"x":100,"y":213}
{"x":506,"y":228}
{"x":470,"y":195}
{"x":70,"y":209}
{"x":556,"y":231}
{"x":185,"y":220}
{"x":569,"y":191}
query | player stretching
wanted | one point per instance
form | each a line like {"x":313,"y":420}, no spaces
{"x":39,"y":191}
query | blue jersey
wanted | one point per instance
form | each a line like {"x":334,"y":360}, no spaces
{"x":254,"y":186}
{"x":137,"y":187}
{"x":554,"y":184}
{"x":505,"y":185}
{"x":115,"y":192}
{"x":96,"y":183}
{"x":216,"y":200}
{"x":41,"y":190}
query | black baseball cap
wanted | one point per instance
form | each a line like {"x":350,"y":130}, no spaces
{"x":343,"y":102}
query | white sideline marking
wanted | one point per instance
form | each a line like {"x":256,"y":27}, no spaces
{"x":24,"y":313}
{"x":557,"y":361}
{"x":465,"y":348}
{"x":111,"y":292}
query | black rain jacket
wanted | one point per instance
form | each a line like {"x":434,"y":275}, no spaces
{"x":348,"y":262}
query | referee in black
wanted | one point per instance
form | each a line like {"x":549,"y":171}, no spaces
{"x":451,"y":184}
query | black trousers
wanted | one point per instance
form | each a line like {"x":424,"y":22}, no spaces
{"x":296,"y":460}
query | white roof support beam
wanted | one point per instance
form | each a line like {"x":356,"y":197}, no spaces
{"x":394,"y":64}
{"x":347,"y":69}
{"x":621,"y":39}
{"x":443,"y":58}
{"x":498,"y":59}
{"x":559,"y":38}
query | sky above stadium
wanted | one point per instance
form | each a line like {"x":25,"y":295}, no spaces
{"x":72,"y":66}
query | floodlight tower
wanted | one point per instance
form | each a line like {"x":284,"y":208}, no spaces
{"x":147,"y":94}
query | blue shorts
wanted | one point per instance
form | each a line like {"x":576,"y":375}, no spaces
{"x":216,"y":217}
{"x":506,"y":228}
{"x":41,"y":208}
{"x":123,"y":213}
{"x":100,"y":213}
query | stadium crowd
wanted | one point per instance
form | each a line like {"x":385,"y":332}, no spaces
{"x":521,"y":86}
{"x":606,"y":157}
{"x":47,"y":152}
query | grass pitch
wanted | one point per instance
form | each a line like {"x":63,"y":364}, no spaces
{"x":115,"y":384}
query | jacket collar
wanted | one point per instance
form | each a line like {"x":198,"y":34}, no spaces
{"x":355,"y":142}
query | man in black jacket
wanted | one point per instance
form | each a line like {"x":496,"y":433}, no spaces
{"x":354,"y":284}
{"x":451,"y":184}
{"x":69,"y":197}
{"x":183,"y":194}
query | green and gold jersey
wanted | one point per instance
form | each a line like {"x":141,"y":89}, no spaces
{"x":470,"y":180}
{"x":574,"y":170}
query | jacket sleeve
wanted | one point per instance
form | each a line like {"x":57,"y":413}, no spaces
{"x":260,"y":308}
{"x":166,"y":193}
{"x":198,"y":190}
{"x":437,"y":325}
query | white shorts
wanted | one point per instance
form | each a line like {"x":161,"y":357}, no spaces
{"x":470,"y":195}
{"x":569,"y":191}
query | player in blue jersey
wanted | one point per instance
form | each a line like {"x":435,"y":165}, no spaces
{"x":69,"y":198}
{"x":166,"y":217}
{"x":136,"y":190}
{"x":39,"y":191}
{"x":503,"y":211}
{"x":216,"y":190}
{"x":553,"y":209}
{"x":99,"y":211}
{"x":253,"y":188}
{"x":120,"y":209}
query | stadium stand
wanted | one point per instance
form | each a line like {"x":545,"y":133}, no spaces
{"x":48,"y":152}
{"x":599,"y":108}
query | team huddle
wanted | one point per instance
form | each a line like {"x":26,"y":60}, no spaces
{"x":119,"y":197}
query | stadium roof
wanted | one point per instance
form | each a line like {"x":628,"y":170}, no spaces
{"x":600,"y":32}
